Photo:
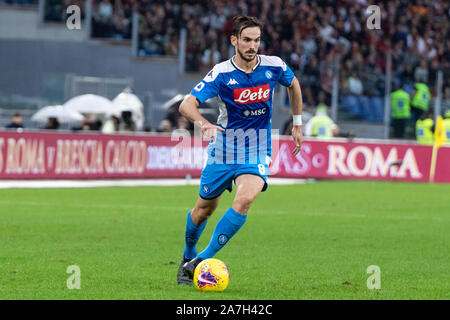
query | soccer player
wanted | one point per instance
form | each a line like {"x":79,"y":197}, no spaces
{"x":240,"y":146}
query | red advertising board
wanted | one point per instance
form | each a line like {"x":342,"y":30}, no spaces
{"x":32,"y":155}
{"x":360,"y":160}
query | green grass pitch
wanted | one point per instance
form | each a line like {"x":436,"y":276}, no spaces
{"x":312,"y":241}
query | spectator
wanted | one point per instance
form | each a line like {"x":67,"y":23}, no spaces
{"x":434,"y":68}
{"x":355,"y":85}
{"x":446,"y":99}
{"x":182,"y":123}
{"x":16,"y":122}
{"x":447,"y":125}
{"x":326,"y":80}
{"x":164,"y":126}
{"x":420,"y":101}
{"x":372,"y":82}
{"x":127,"y":124}
{"x":102,"y":23}
{"x":421,"y":72}
{"x":321,"y":125}
{"x":52,"y":124}
{"x":111,"y":125}
{"x":309,"y":44}
{"x":105,"y":10}
{"x":90,"y":123}
{"x":401,"y":112}
{"x":211,"y":56}
{"x":113,"y":20}
{"x":425,"y":128}
{"x":310,"y":81}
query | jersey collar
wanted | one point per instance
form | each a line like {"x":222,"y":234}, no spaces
{"x":254,"y":68}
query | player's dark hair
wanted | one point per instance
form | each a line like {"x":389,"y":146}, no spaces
{"x":241,"y":22}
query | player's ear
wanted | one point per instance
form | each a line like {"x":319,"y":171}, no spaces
{"x":233,"y":39}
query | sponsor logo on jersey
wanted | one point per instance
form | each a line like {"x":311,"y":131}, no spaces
{"x":232,"y":82}
{"x":252,"y":95}
{"x":254,"y":112}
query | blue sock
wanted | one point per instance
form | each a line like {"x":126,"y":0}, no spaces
{"x":192,"y":234}
{"x":225,"y":229}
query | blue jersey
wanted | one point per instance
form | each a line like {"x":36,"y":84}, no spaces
{"x":245,"y":104}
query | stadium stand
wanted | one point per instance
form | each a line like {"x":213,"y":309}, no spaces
{"x":20,"y":2}
{"x":55,"y":10}
{"x":307,"y":35}
{"x":112,"y":19}
{"x":316,"y":38}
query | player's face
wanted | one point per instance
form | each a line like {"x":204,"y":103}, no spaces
{"x":247,"y":44}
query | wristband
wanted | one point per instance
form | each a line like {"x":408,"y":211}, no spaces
{"x":297,"y":120}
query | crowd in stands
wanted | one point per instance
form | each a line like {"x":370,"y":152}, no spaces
{"x":56,"y":10}
{"x":315,"y":38}
{"x":20,"y":2}
{"x":112,"y":19}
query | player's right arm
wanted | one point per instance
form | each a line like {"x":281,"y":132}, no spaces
{"x":209,"y":87}
{"x":189,"y":109}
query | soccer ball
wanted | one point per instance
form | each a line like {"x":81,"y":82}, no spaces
{"x":211,"y":275}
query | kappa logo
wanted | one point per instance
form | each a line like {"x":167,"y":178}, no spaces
{"x":252,"y":95}
{"x":232,"y":82}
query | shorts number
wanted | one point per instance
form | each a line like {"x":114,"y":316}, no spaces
{"x":262,"y":168}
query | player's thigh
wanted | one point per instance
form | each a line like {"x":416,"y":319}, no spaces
{"x":203,"y":209}
{"x":248,"y":186}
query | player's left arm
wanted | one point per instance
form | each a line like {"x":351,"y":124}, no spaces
{"x":295,"y":99}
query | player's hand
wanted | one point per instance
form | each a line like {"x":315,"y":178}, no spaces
{"x":297,"y":134}
{"x":209,"y":130}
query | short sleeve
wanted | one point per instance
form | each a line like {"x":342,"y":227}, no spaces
{"x":208,"y":87}
{"x":286,"y":75}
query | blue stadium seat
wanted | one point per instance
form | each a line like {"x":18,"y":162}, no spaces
{"x":351,"y":103}
{"x":377,"y":105}
{"x":364,"y":108}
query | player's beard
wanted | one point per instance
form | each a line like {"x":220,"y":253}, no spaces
{"x":243,"y":57}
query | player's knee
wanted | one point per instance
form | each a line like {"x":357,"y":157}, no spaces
{"x":206,"y":212}
{"x":201,"y":214}
{"x":242,"y":203}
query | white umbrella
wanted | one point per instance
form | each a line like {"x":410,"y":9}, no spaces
{"x":59,"y":112}
{"x":127,"y":101}
{"x":92,"y":103}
